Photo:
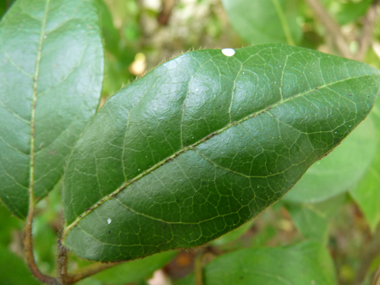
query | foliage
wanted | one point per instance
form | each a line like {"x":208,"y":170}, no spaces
{"x":195,"y":148}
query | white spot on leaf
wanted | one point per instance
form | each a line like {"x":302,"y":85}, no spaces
{"x":109,"y":221}
{"x":228,"y":51}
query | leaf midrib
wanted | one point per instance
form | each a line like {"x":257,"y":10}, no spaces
{"x":34,"y":102}
{"x":183,"y":150}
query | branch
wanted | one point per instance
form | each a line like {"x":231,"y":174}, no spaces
{"x":368,"y":25}
{"x":62,"y":262}
{"x":376,"y":278}
{"x":331,"y":27}
{"x":28,"y":243}
{"x":371,"y":250}
{"x":89,"y":270}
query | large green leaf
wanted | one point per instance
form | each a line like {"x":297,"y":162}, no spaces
{"x":264,"y":21}
{"x":304,"y":263}
{"x":367,"y":192}
{"x":51,"y":65}
{"x":203,"y":143}
{"x":340,"y":171}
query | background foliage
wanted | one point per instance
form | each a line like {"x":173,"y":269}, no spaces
{"x":336,"y":203}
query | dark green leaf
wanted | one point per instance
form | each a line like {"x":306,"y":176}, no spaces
{"x":367,"y":192}
{"x":233,"y":235}
{"x":13,"y":270}
{"x":340,"y":171}
{"x":205,"y":142}
{"x":51,"y":66}
{"x":305,"y":263}
{"x":264,"y":21}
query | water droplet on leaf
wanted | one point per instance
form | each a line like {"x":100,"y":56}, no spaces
{"x":109,"y":221}
{"x":228,"y":51}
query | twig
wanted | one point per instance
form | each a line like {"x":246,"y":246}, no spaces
{"x":198,"y":267}
{"x":28,"y":243}
{"x":166,"y":11}
{"x":376,"y":278}
{"x":331,"y":27}
{"x":368,"y":25}
{"x":89,"y":270}
{"x":62,"y":263}
{"x":371,"y":250}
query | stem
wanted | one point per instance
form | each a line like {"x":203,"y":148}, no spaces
{"x":368,"y":26}
{"x":198,"y":268}
{"x":89,"y":270}
{"x":370,"y":252}
{"x":62,"y":262}
{"x":28,"y":243}
{"x":331,"y":27}
{"x":376,"y":278}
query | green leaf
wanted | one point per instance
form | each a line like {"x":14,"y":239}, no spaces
{"x":340,"y":171}
{"x":51,"y":65}
{"x":305,"y":263}
{"x":135,"y":270}
{"x":309,"y":221}
{"x":205,"y":142}
{"x":264,"y":21}
{"x":367,"y":192}
{"x":351,"y":11}
{"x":232,"y":235}
{"x":13,"y":270}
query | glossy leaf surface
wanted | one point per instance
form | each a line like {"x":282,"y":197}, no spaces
{"x":51,"y":64}
{"x":264,"y":21}
{"x":305,"y":263}
{"x":203,"y":143}
{"x":340,"y":171}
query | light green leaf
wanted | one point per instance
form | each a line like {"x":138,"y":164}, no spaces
{"x":309,"y":221}
{"x":13,"y":270}
{"x":367,"y":192}
{"x":232,"y":235}
{"x":135,"y":270}
{"x":305,"y":263}
{"x":51,"y":65}
{"x":205,"y":142}
{"x":340,"y":171}
{"x":264,"y":21}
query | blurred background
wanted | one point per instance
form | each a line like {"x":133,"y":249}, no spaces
{"x":138,"y":35}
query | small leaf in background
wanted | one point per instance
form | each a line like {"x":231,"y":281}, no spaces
{"x":13,"y":270}
{"x":135,"y":270}
{"x":264,"y":21}
{"x":367,"y":192}
{"x":205,"y":142}
{"x":233,"y":235}
{"x":308,"y":262}
{"x":309,"y":221}
{"x":51,"y":68}
{"x":341,"y":170}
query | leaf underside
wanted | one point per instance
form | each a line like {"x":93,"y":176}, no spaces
{"x":51,"y":65}
{"x":203,"y":143}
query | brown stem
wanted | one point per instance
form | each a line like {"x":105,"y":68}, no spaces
{"x":62,"y":263}
{"x":368,"y":25}
{"x":331,"y":27}
{"x":166,"y":11}
{"x":376,"y":278}
{"x":89,"y":270}
{"x":371,"y":250}
{"x":28,"y":243}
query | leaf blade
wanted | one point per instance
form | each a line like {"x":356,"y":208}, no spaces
{"x":232,"y":133}
{"x":51,"y":70}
